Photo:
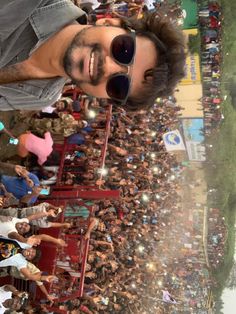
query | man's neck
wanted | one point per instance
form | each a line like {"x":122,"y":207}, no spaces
{"x":45,"y":62}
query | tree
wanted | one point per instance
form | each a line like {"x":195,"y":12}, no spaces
{"x":194,"y":43}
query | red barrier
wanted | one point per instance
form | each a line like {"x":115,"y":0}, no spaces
{"x":76,"y":251}
{"x":108,"y":127}
{"x":63,"y":195}
{"x":66,"y":147}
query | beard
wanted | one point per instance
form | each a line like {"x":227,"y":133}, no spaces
{"x":68,"y":63}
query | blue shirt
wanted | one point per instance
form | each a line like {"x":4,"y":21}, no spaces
{"x":76,"y":138}
{"x":19,"y":187}
{"x":88,"y":129}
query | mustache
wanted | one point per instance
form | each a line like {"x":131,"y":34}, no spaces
{"x":97,"y":49}
{"x":68,"y":63}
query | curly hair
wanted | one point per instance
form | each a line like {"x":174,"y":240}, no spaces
{"x":169,"y":70}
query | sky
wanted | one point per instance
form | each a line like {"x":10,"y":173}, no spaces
{"x":229,"y":299}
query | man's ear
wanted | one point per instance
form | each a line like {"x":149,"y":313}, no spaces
{"x":108,"y":22}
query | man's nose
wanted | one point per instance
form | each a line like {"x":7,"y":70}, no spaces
{"x":112,"y":67}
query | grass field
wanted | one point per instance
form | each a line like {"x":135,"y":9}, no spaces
{"x":221,"y":169}
{"x":224,"y":153}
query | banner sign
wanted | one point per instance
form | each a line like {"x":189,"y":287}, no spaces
{"x":193,"y":130}
{"x":173,"y":141}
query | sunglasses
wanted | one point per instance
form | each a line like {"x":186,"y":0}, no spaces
{"x":123,"y":49}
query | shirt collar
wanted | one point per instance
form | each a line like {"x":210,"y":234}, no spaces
{"x":59,"y":14}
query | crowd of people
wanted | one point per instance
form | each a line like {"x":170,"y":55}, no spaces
{"x":145,"y":252}
{"x":210,"y":20}
{"x":131,"y":258}
{"x":217,"y":237}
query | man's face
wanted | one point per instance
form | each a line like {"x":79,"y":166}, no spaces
{"x":16,"y":304}
{"x":22,"y":227}
{"x":60,"y":105}
{"x":13,"y":304}
{"x":89,"y":62}
{"x":29,"y":254}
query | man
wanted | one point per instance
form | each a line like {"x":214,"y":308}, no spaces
{"x":15,"y":253}
{"x":46,"y":211}
{"x":39,"y":146}
{"x":26,"y":188}
{"x":65,"y":125}
{"x":12,"y":170}
{"x":14,"y":272}
{"x":15,"y":228}
{"x":131,"y":62}
{"x":17,"y":173}
{"x":63,"y":104}
{"x":10,"y":298}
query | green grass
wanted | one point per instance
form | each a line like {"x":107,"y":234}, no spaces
{"x":221,"y":168}
{"x":222,"y":273}
{"x":194,"y":43}
{"x":229,"y":38}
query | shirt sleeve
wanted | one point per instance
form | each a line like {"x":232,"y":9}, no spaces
{"x":41,"y":223}
{"x":17,"y":260}
{"x":20,"y":261}
{"x":44,"y":206}
{"x":50,"y":181}
{"x":39,"y":283}
{"x":48,"y":138}
{"x":12,"y":9}
{"x":33,"y":200}
{"x":41,"y":160}
{"x":34,"y":178}
{"x":34,"y":270}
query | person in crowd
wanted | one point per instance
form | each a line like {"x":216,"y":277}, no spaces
{"x":64,"y":125}
{"x":3,"y":129}
{"x":14,"y":272}
{"x":18,"y":228}
{"x":11,"y":299}
{"x":153,"y":49}
{"x":30,"y":143}
{"x":13,"y":170}
{"x":62,"y":105}
{"x":25,"y":189}
{"x":131,"y":251}
{"x":15,"y":253}
{"x":38,"y":215}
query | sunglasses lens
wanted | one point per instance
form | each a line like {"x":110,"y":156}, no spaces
{"x":122,"y":49}
{"x":118,"y":87}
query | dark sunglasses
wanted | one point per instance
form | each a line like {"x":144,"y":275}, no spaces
{"x":123,"y":49}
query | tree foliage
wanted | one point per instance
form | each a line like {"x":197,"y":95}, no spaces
{"x":194,"y":43}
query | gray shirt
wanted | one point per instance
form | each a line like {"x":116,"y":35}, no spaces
{"x":24,"y":26}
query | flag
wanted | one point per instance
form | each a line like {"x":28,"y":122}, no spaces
{"x":166,"y":297}
{"x":173,"y":141}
